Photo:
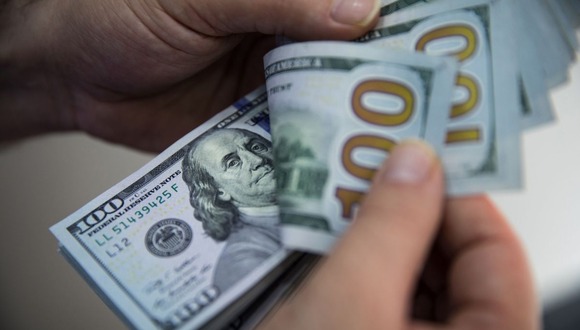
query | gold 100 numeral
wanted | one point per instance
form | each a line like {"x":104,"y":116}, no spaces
{"x":463,"y":80}
{"x":350,"y":198}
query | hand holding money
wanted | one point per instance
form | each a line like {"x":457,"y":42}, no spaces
{"x":370,"y":279}
{"x":337,"y":110}
{"x":144,"y":73}
{"x":182,"y":243}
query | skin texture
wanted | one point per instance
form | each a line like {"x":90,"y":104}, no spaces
{"x":145,"y":72}
{"x":142,"y":72}
{"x":370,"y":280}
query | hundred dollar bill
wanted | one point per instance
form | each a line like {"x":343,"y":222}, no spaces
{"x":564,"y":15}
{"x":279,"y":292}
{"x":536,"y":108}
{"x":535,"y":102}
{"x":555,"y":53}
{"x":189,"y":239}
{"x":390,"y":6}
{"x":482,"y":150}
{"x":574,"y":11}
{"x":337,"y":109}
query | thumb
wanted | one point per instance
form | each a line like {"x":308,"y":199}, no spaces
{"x":396,"y":223}
{"x":299,"y":19}
{"x":368,"y":279}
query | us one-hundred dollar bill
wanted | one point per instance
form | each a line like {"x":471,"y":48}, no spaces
{"x":536,"y":108}
{"x":279,"y":292}
{"x":191,"y":238}
{"x":549,"y":23}
{"x":564,"y":15}
{"x":556,"y":55}
{"x":390,"y":6}
{"x":573,"y":10}
{"x":482,"y":150}
{"x":337,"y":109}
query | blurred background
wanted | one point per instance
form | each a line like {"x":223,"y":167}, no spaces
{"x":42,"y":180}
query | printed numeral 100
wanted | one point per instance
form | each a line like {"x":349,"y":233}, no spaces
{"x":469,"y":35}
{"x":350,"y":198}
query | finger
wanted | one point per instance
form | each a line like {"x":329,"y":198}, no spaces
{"x":300,"y":19}
{"x":490,"y":282}
{"x":396,"y":225}
{"x":367,"y":280}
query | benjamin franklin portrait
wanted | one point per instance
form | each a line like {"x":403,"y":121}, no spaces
{"x":232,"y":189}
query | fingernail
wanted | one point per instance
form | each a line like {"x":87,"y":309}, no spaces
{"x":354,"y":12}
{"x":409,"y":163}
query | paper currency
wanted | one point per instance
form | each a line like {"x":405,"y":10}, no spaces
{"x":561,"y":11}
{"x":535,"y":103}
{"x":159,"y":252}
{"x":278,"y":292}
{"x":337,"y":109}
{"x":536,"y":108}
{"x":573,"y":10}
{"x":390,"y":6}
{"x":191,"y":235}
{"x":482,"y":152}
{"x":554,"y":52}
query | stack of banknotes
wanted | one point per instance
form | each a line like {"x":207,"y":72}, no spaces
{"x":208,"y":235}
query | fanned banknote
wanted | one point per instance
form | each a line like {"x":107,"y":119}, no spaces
{"x":555,"y":54}
{"x":482,"y":151}
{"x":192,"y":240}
{"x":390,"y":6}
{"x":535,"y":102}
{"x":193,"y":234}
{"x":572,"y":11}
{"x":536,"y":108}
{"x":552,"y":34}
{"x":337,"y":109}
{"x":562,"y":12}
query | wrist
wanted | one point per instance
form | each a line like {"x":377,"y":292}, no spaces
{"x":31,"y":92}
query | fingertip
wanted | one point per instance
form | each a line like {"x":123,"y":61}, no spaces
{"x":329,"y":19}
{"x":399,"y":217}
{"x":355,"y":12}
{"x":411,"y":162}
{"x":298,"y":19}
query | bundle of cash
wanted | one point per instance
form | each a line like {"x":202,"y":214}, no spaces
{"x":208,"y":235}
{"x":335,"y":117}
{"x":164,"y":249}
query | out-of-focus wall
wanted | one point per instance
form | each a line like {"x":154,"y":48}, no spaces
{"x":546,"y":213}
{"x":43,"y":180}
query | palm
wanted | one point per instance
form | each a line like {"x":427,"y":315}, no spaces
{"x":145,"y":89}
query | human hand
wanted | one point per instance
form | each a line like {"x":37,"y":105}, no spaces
{"x":145,"y":72}
{"x":460,"y":249}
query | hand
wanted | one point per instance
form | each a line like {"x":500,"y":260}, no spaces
{"x":145,"y":72}
{"x":370,"y":280}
